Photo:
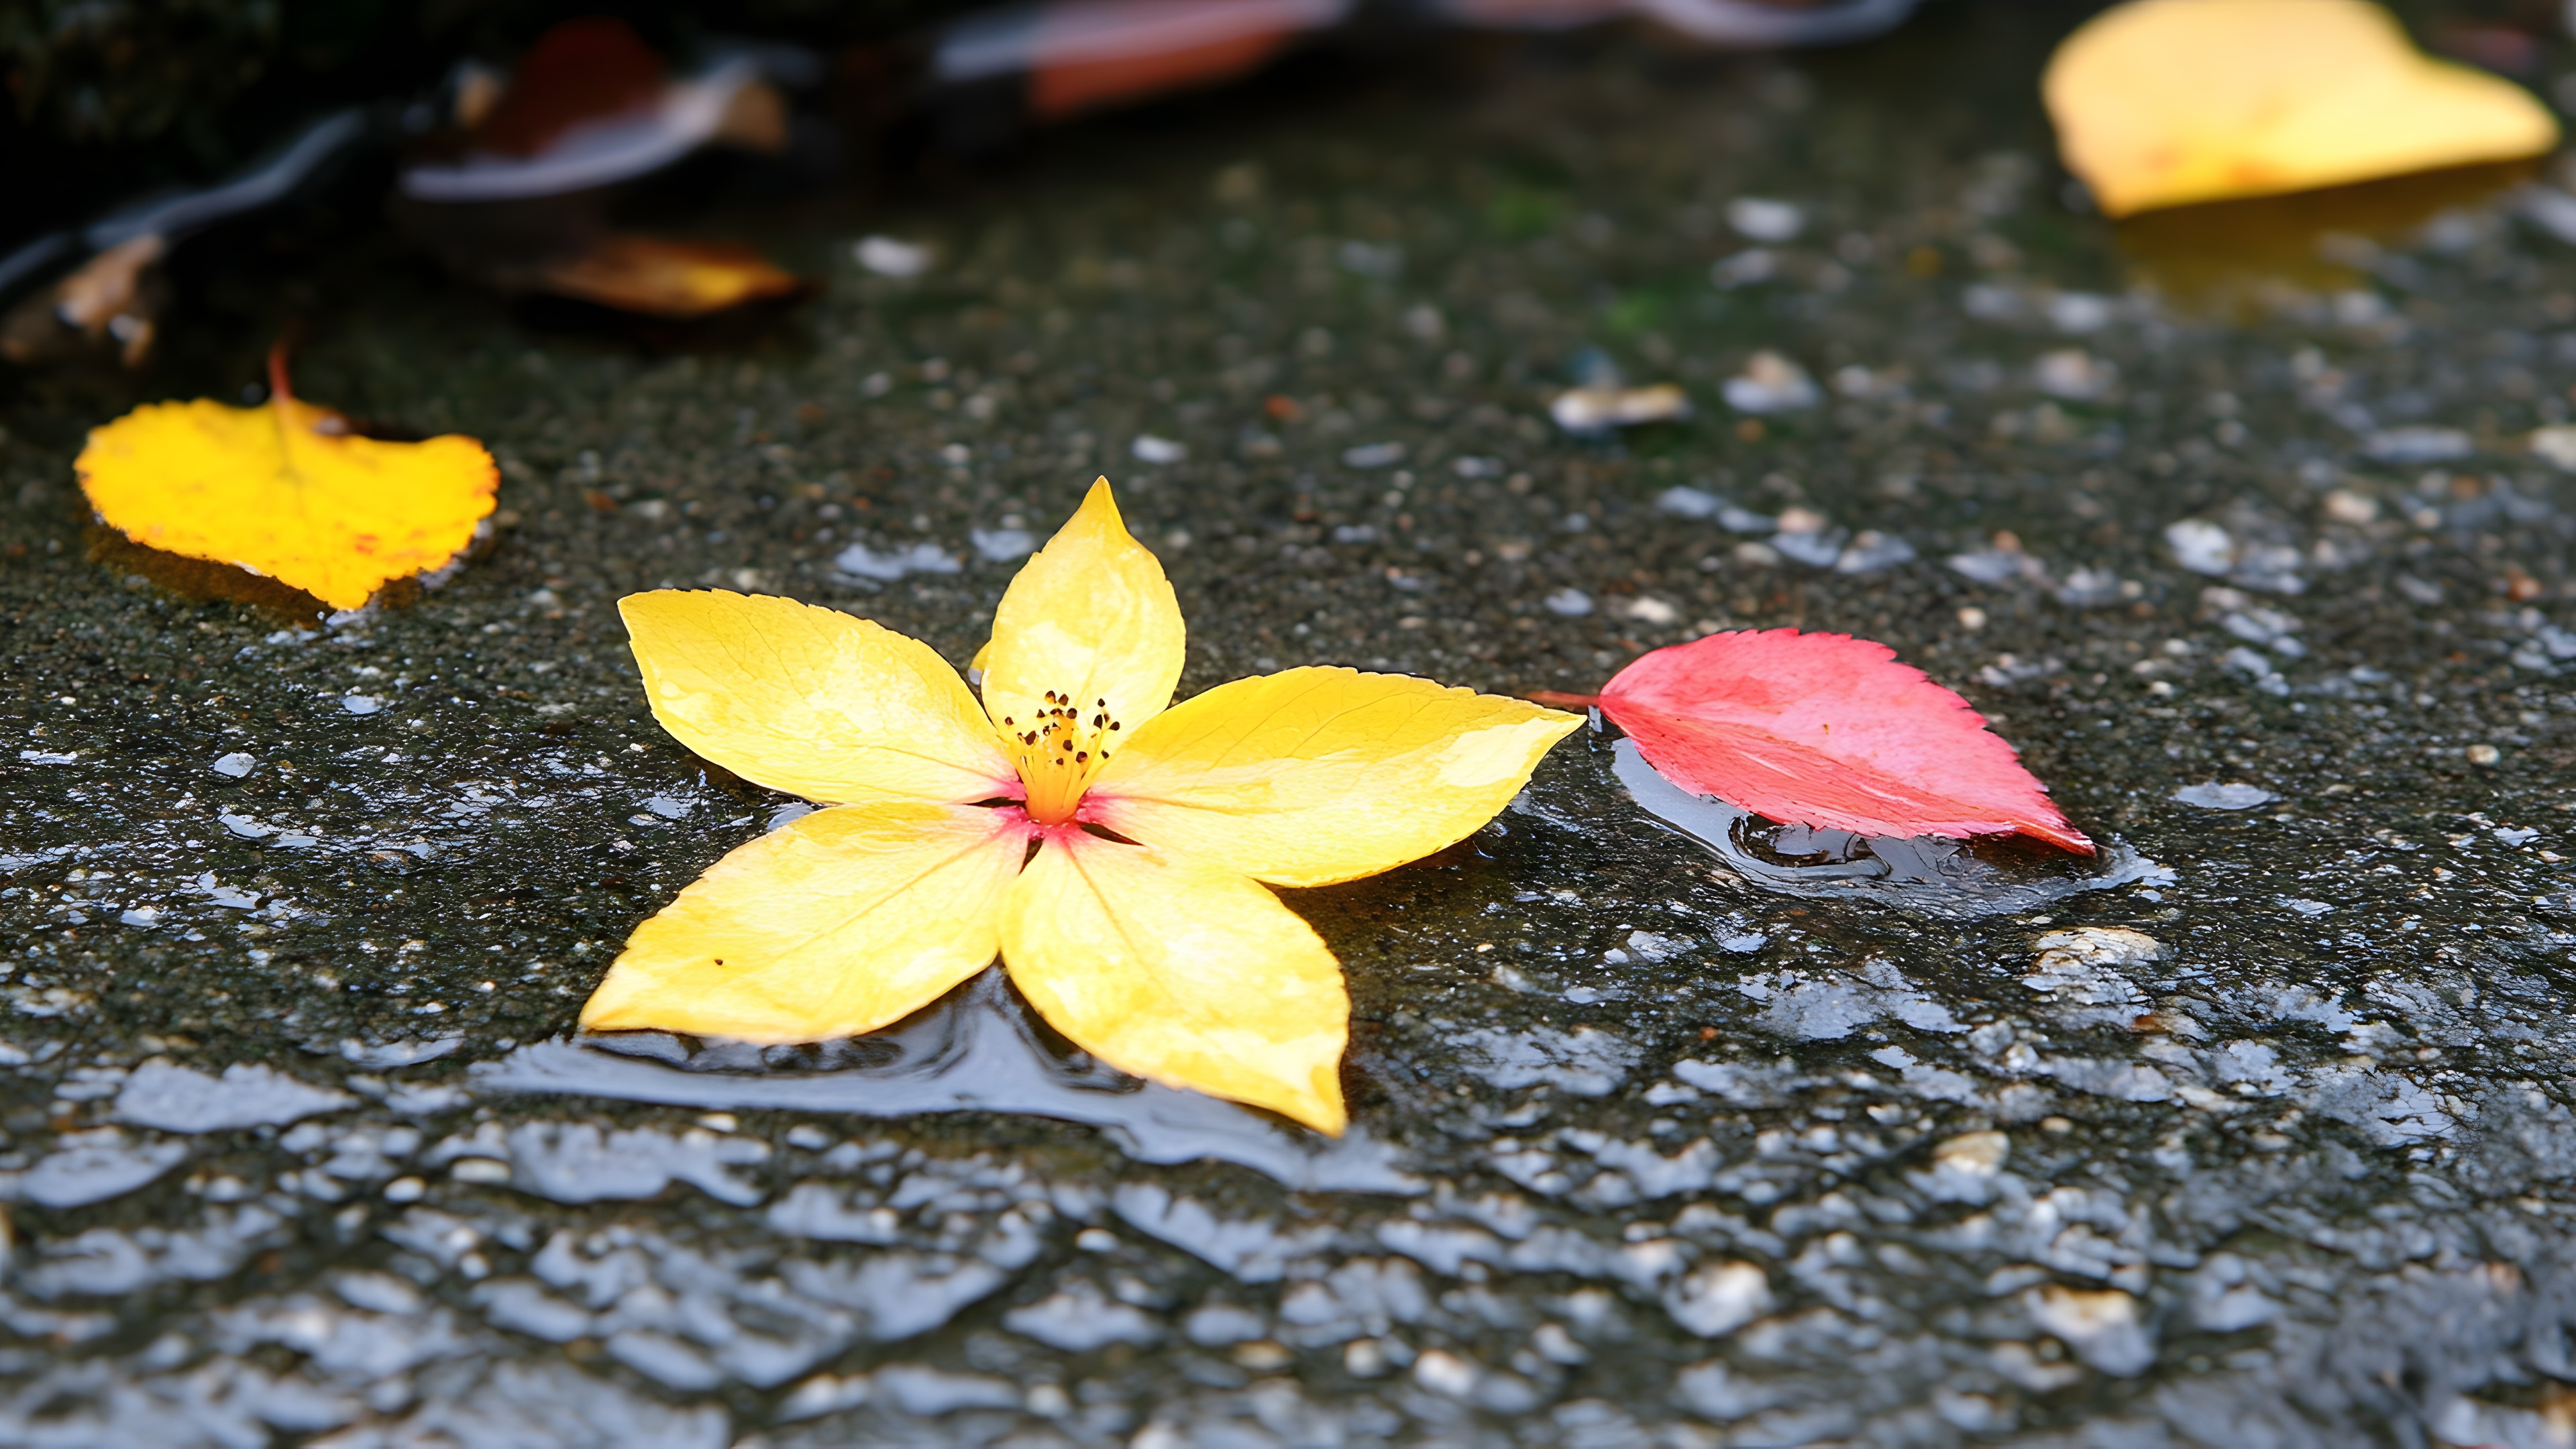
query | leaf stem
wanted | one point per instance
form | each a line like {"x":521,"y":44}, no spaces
{"x":278,"y":392}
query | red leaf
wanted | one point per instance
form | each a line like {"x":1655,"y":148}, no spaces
{"x":581,"y":70}
{"x":1828,"y":730}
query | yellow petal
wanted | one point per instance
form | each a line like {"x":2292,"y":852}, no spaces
{"x":811,"y":701}
{"x":337,"y":516}
{"x":1090,"y":616}
{"x":835,"y":924}
{"x":1314,"y":776}
{"x":1191,"y":976}
{"x":2163,"y":102}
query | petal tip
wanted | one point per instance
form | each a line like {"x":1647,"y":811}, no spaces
{"x":1325,"y":1113}
{"x":610,"y":1007}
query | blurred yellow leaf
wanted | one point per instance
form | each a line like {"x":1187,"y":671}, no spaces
{"x":678,"y":280}
{"x":2168,"y":102}
{"x":285,"y":490}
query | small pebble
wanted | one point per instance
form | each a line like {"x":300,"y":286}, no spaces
{"x":2484,"y":754}
{"x":1761,"y":219}
{"x":1049,"y":1401}
{"x":1445,"y":1373}
{"x":888,"y":257}
{"x":2233,"y":796}
{"x":2077,"y":312}
{"x":2557,"y":445}
{"x":1771,"y":383}
{"x":1751,"y":265}
{"x":2418,"y":445}
{"x":2201,"y":546}
{"x":1600,"y":409}
{"x":863,"y":562}
{"x":2074,"y":374}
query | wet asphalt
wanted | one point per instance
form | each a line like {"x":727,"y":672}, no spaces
{"x":1672,"y":1127}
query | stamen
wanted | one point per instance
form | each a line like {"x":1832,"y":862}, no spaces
{"x":1062,"y":736}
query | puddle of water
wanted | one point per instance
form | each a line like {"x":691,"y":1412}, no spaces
{"x":976,"y":1050}
{"x":1926,"y":875}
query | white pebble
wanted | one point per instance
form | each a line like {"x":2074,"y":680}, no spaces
{"x":1771,"y":383}
{"x":888,"y":257}
{"x":1759,"y":218}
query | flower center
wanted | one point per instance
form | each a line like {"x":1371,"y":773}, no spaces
{"x":1058,"y":751}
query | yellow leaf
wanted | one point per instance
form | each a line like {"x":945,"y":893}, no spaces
{"x":840,"y":922}
{"x":1189,"y":975}
{"x":812,"y":701}
{"x":1314,"y":776}
{"x":2166,"y":102}
{"x":335,"y":515}
{"x":1090,"y":616}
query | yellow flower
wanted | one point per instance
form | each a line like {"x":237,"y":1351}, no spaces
{"x":1109,"y":845}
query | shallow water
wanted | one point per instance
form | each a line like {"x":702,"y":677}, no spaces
{"x":978,"y":1050}
{"x":1927,"y":875}
{"x":1668,"y":1131}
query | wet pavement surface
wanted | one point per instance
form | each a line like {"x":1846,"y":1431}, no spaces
{"x":1671,"y":1127}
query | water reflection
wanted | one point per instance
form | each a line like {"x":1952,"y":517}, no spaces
{"x":975,"y":1050}
{"x":2225,"y":257}
{"x":1926,"y":875}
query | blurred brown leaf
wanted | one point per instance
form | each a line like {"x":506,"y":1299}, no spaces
{"x":666,"y":278}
